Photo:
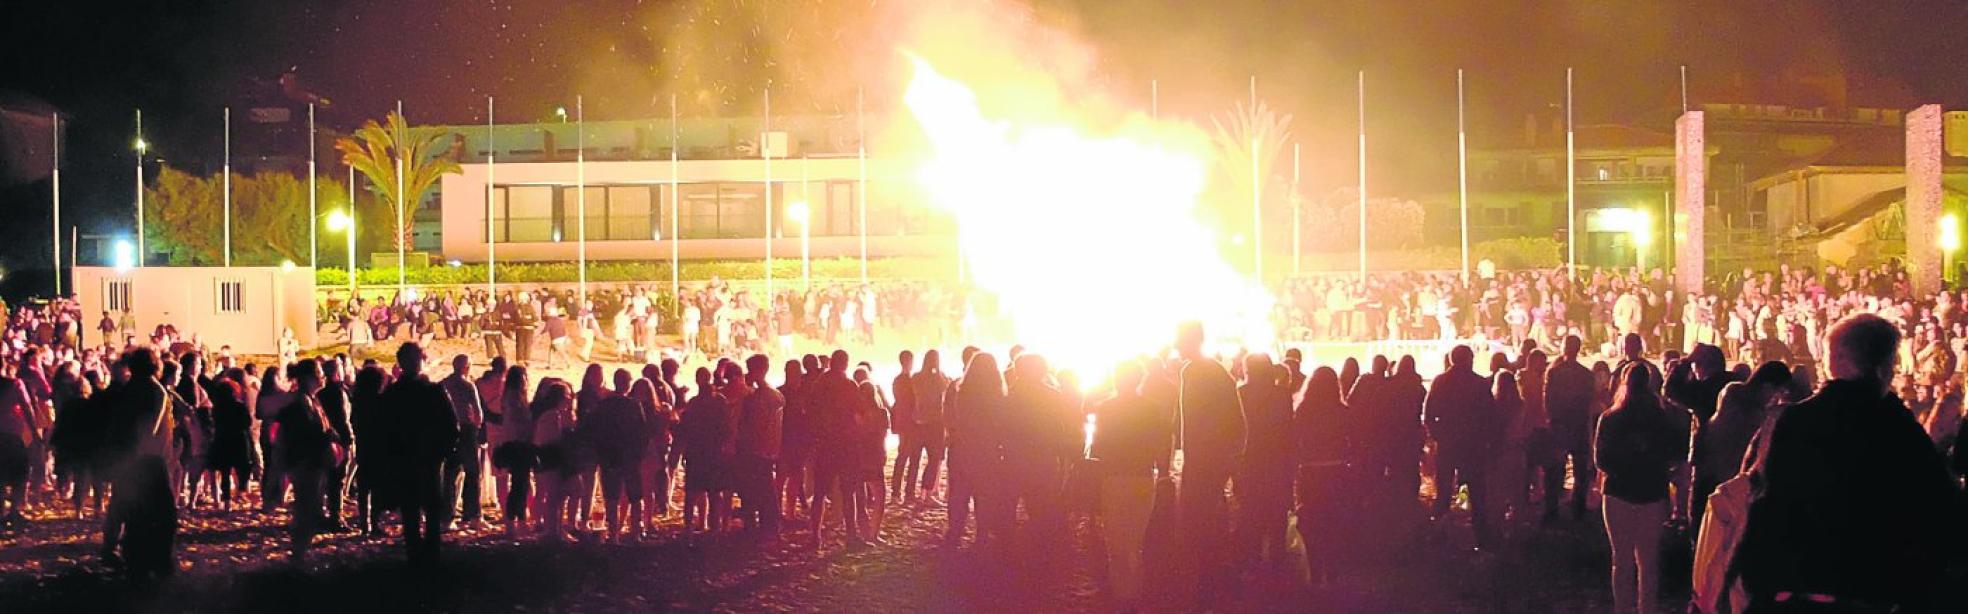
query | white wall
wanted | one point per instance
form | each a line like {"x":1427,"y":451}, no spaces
{"x":188,"y":298}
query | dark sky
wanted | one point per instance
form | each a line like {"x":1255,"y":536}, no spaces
{"x":182,"y":60}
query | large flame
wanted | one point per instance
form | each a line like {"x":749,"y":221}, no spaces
{"x":1091,"y":243}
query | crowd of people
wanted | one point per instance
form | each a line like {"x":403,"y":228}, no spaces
{"x":1840,"y":496}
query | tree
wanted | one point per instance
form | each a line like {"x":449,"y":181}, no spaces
{"x":185,"y":217}
{"x":377,"y":152}
{"x":1234,"y":138}
{"x":1392,"y":223}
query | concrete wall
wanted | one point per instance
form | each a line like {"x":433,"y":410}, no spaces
{"x":188,"y":298}
{"x":1923,"y":197}
{"x":1690,"y":202}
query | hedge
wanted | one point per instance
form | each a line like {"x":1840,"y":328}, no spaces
{"x":621,"y":271}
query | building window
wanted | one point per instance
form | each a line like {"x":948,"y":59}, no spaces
{"x":116,"y":294}
{"x":523,"y":214}
{"x":230,"y":295}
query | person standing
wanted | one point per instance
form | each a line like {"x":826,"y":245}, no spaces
{"x":836,"y":407}
{"x":760,"y":421}
{"x":306,"y":444}
{"x":927,"y":390}
{"x":425,"y":428}
{"x":143,"y":507}
{"x":1133,"y":443}
{"x":909,"y":451}
{"x":1570,"y":394}
{"x":1641,"y":449}
{"x":468,"y":460}
{"x":1323,"y":447}
{"x":975,"y":411}
{"x":618,"y":429}
{"x":1855,"y":507}
{"x":1211,"y":436}
{"x":1264,"y":481}
{"x":334,"y":400}
{"x":701,"y":433}
{"x":1461,"y":415}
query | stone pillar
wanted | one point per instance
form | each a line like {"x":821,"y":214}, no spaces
{"x":1923,"y":197}
{"x":1690,"y":202}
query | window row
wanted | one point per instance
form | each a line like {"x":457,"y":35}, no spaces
{"x":719,"y":210}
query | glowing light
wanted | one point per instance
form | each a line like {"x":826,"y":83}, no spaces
{"x":1950,"y":233}
{"x":455,"y":263}
{"x":124,"y":255}
{"x":1089,"y":238}
{"x":338,"y":220}
{"x":1642,"y":228}
{"x":796,"y":212}
{"x":286,"y":266}
{"x":142,"y":145}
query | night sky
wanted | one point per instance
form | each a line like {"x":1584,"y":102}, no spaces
{"x":183,"y":60}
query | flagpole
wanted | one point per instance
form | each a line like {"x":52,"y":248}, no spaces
{"x":1362,"y":87}
{"x":676,"y":206}
{"x":351,"y":232}
{"x":141,"y":146}
{"x":1257,"y":192}
{"x":227,"y":170}
{"x":402,"y":233}
{"x":1297,"y":239}
{"x":491,"y":237}
{"x":313,"y":247}
{"x":1462,"y":172}
{"x":581,"y":194}
{"x":56,"y":117}
{"x":765,"y":150}
{"x":1154,"y":99}
{"x":806,"y":226}
{"x":861,"y":190}
{"x":1571,"y":184}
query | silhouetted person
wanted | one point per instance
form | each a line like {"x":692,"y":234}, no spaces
{"x":468,"y":461}
{"x":1570,"y":393}
{"x":1697,"y":382}
{"x":1462,"y":417}
{"x":143,"y":504}
{"x":928,"y":390}
{"x":1041,"y":434}
{"x":306,"y":445}
{"x":421,"y":421}
{"x":761,"y":420}
{"x":1398,"y":435}
{"x":1854,"y":504}
{"x":1211,"y":437}
{"x":909,"y":449}
{"x":1323,"y":447}
{"x":835,"y":409}
{"x":1134,"y":439}
{"x":1264,"y":481}
{"x":975,"y":410}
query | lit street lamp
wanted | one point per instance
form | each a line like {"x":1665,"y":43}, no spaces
{"x":1950,"y":241}
{"x":341,"y":221}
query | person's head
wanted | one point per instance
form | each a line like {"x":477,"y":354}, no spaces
{"x":1631,"y":346}
{"x":811,"y":364}
{"x":757,"y":366}
{"x":1406,"y":367}
{"x":1864,"y":348}
{"x":142,"y":363}
{"x":306,"y":375}
{"x":670,"y":368}
{"x":1322,"y":388}
{"x":410,"y":358}
{"x":1257,"y":367}
{"x":703,"y":377}
{"x":643,"y":392}
{"x":1535,"y":362}
{"x":516,"y":381}
{"x":968,"y":352}
{"x":1189,"y":340}
{"x":1506,"y":387}
{"x":1499,"y":362}
{"x":1462,"y":358}
{"x":1708,"y":361}
{"x":621,"y":378}
{"x":1128,"y":377}
{"x":1572,"y":346}
{"x":498,"y":365}
{"x":1030,"y":368}
{"x":1380,"y":364}
{"x":1634,"y":382}
{"x":461,"y":365}
{"x":982,"y":374}
{"x":908,"y":360}
{"x":591,"y":378}
{"x":838,"y":362}
{"x":932,"y":362}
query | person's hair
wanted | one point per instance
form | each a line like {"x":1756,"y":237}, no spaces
{"x":554,"y":394}
{"x":982,"y":376}
{"x":1322,"y":392}
{"x":1860,"y":344}
{"x":1634,"y":383}
{"x":141,"y":361}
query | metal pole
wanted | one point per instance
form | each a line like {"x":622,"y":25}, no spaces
{"x":1154,"y":99}
{"x":491,"y":236}
{"x":1363,"y":173}
{"x":56,"y":178}
{"x":676,"y":207}
{"x":1297,"y":236}
{"x":806,"y":227}
{"x":1257,"y":191}
{"x":141,"y":146}
{"x":351,"y":231}
{"x":402,"y":232}
{"x":313,"y":224}
{"x":581,"y":196}
{"x":1462,"y":172}
{"x":1571,"y":184}
{"x":227,"y":183}
{"x":861,"y":188}
{"x":765,"y":150}
{"x":1684,"y":88}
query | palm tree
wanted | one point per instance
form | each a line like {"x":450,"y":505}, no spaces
{"x":375,"y":150}
{"x":1234,"y":137}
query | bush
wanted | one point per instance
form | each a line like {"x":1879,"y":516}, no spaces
{"x":1513,"y":253}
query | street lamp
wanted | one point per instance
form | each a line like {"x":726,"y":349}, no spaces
{"x":1642,"y":232}
{"x":340,"y":221}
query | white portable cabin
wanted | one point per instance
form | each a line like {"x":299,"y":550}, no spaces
{"x":244,"y":307}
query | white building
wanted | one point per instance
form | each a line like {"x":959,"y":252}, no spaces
{"x":244,"y":307}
